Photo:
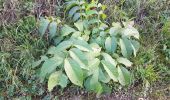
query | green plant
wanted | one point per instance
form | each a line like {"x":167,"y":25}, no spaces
{"x":90,"y":53}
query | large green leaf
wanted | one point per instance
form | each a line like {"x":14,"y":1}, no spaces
{"x":124,"y":61}
{"x":111,"y":44}
{"x":43,"y":25}
{"x":93,"y":65}
{"x":79,"y":57}
{"x":63,"y":81}
{"x":108,"y":58}
{"x":73,"y":11}
{"x":130,"y":31}
{"x":82,"y":45}
{"x":66,"y":30}
{"x":53,"y":29}
{"x":96,"y":51}
{"x":64,"y":45}
{"x":57,"y":78}
{"x":100,"y":40}
{"x":103,"y":76}
{"x":74,"y":71}
{"x":76,"y":16}
{"x":126,"y":47}
{"x":124,"y":76}
{"x":49,"y":66}
{"x":92,"y":82}
{"x":54,"y":80}
{"x":111,"y":70}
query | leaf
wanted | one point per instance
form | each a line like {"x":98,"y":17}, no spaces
{"x":113,"y":31}
{"x":135,"y":45}
{"x":111,"y":70}
{"x":43,"y":26}
{"x":76,"y":16}
{"x":82,"y":45}
{"x":74,"y":72}
{"x":35,"y":64}
{"x":71,"y":4}
{"x":92,"y":82}
{"x":91,"y":12}
{"x":124,"y":61}
{"x":108,"y":58}
{"x":76,"y":34}
{"x":93,"y":65}
{"x":57,"y":40}
{"x":73,"y":11}
{"x":103,"y":76}
{"x":100,"y":40}
{"x":63,"y":81}
{"x":79,"y":25}
{"x":48,"y":67}
{"x":57,"y":78}
{"x":96,"y":51}
{"x":111,"y":44}
{"x":130,"y":31}
{"x":53,"y":29}
{"x":64,"y":45}
{"x":79,"y":57}
{"x":52,"y":50}
{"x":66,"y":30}
{"x":126,"y":48}
{"x":54,"y":80}
{"x":124,"y":76}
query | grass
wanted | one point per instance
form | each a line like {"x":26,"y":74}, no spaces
{"x":19,"y":48}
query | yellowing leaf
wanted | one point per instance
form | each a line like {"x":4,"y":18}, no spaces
{"x":57,"y":78}
{"x":108,"y":58}
{"x":124,"y":61}
{"x":54,"y":80}
{"x":74,"y":71}
{"x":111,"y":70}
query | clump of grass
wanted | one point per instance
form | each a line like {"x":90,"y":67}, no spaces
{"x":19,"y":48}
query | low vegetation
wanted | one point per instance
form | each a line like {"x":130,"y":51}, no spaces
{"x":85,"y":49}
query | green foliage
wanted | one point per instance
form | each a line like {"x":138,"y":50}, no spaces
{"x":166,"y":28}
{"x":90,"y":52}
{"x":147,"y":74}
{"x":18,"y":49}
{"x":49,"y":23}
